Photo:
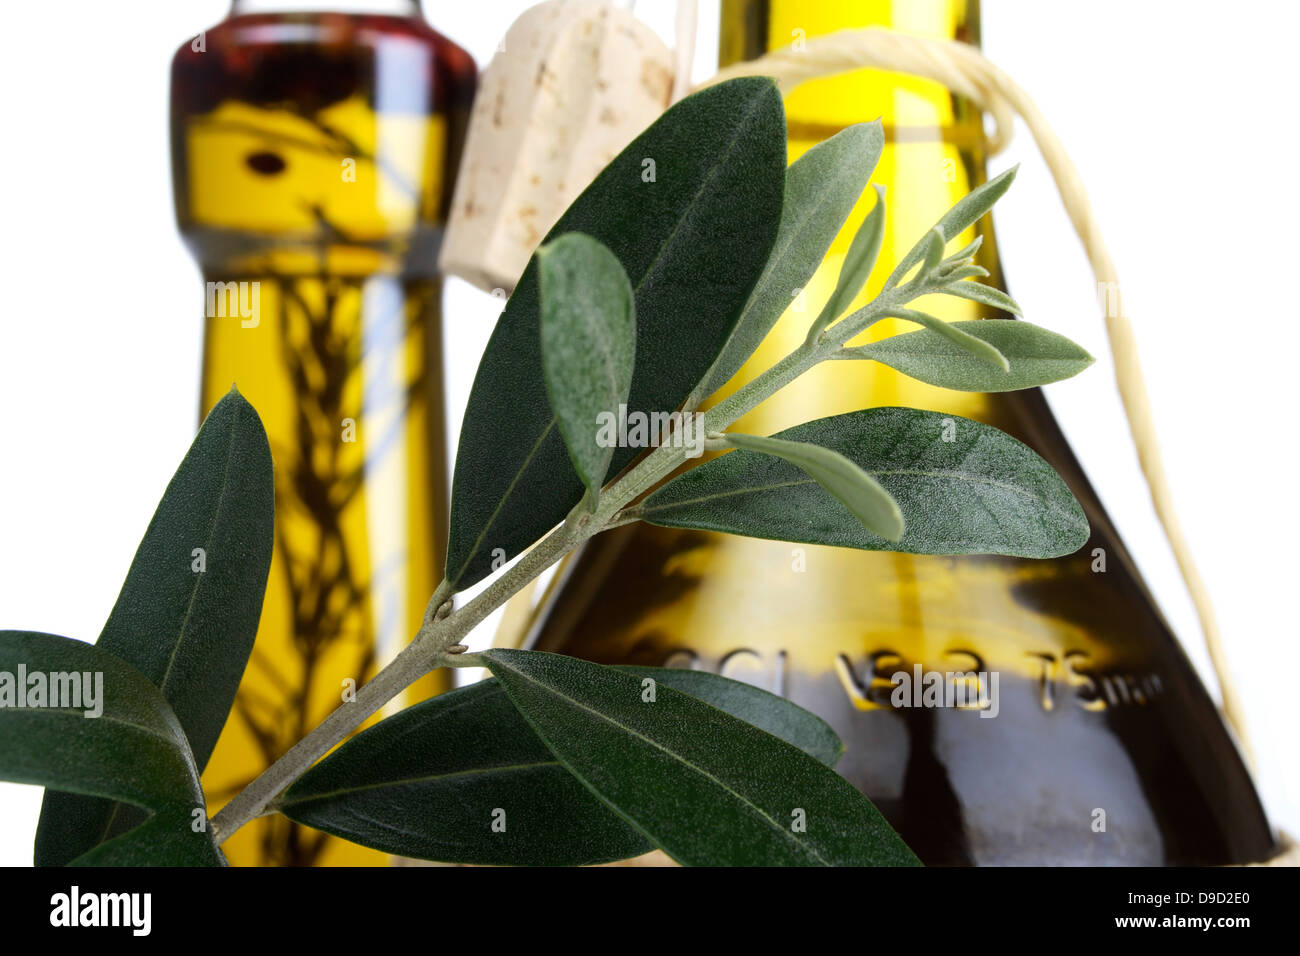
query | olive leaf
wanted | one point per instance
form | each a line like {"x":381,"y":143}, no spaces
{"x":957,"y":336}
{"x":187,"y":613}
{"x":704,"y":787}
{"x":966,"y":272}
{"x":706,"y":176}
{"x":821,"y":188}
{"x":964,"y":212}
{"x":983,"y":294}
{"x":431,"y":781}
{"x":841,"y":478}
{"x":426,"y":782}
{"x":963,"y":256}
{"x":963,"y":488}
{"x":857,"y":266}
{"x":765,"y":710}
{"x":588,"y":333}
{"x":1036,"y":356}
{"x":100,"y":728}
{"x":933,"y":251}
{"x":165,"y":839}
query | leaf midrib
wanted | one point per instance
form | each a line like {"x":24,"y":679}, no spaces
{"x":424,"y":778}
{"x":873,"y":349}
{"x":487,"y":526}
{"x":207,"y":547}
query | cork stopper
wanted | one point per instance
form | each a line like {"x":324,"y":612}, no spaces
{"x":573,"y":83}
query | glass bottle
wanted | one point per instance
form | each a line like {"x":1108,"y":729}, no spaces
{"x":313,"y":151}
{"x":1103,"y":747}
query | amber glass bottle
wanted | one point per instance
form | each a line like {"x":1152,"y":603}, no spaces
{"x":1105,"y":748}
{"x":313,"y":155}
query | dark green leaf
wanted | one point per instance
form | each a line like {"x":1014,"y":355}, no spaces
{"x":133,"y":752}
{"x":821,"y":188}
{"x":981,"y":492}
{"x":841,"y":478}
{"x":706,"y":788}
{"x":1036,"y":355}
{"x":71,"y":824}
{"x":588,"y":336}
{"x":693,"y":242}
{"x":424,"y":783}
{"x":189,"y":632}
{"x":165,"y":839}
{"x":965,"y":211}
{"x":753,"y":705}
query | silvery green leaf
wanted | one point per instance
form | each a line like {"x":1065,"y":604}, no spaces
{"x":957,"y":336}
{"x":984,"y":294}
{"x":967,"y":272}
{"x":588,"y":336}
{"x":1037,"y":356}
{"x":857,"y":266}
{"x":821,"y":188}
{"x":933,"y":252}
{"x":846,"y":482}
{"x":963,"y":487}
{"x":967,"y":252}
{"x":965,"y":211}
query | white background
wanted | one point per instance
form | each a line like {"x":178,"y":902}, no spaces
{"x":1179,"y":116}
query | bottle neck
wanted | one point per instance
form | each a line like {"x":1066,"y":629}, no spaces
{"x":398,"y":8}
{"x":906,"y":105}
{"x":933,"y":156}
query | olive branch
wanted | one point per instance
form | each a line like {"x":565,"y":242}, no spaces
{"x":647,"y":296}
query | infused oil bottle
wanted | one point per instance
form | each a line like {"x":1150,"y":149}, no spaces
{"x":313,"y":152}
{"x":1086,"y":737}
